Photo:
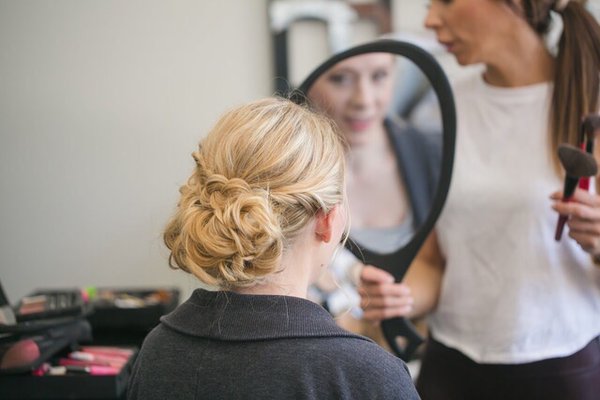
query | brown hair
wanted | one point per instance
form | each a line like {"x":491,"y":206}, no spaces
{"x":261,"y":175}
{"x":576,"y":75}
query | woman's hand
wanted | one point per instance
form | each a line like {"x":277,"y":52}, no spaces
{"x":381,"y":297}
{"x":583,"y":211}
{"x":417,"y":294}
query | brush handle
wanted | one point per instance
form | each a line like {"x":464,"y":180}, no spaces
{"x":560,"y":225}
{"x":568,"y":190}
{"x":584,"y":183}
{"x":584,"y":145}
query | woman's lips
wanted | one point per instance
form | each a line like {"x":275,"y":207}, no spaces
{"x":359,"y":124}
{"x":448,"y":45}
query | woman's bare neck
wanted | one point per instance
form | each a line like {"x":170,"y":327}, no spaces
{"x":525,"y":62}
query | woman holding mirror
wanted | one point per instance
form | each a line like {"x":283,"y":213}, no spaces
{"x":391,"y":175}
{"x":515,"y":314}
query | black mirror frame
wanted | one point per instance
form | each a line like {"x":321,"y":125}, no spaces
{"x":397,"y":263}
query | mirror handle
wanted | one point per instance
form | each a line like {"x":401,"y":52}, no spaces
{"x":402,"y":328}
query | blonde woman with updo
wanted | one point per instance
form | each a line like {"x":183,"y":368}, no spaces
{"x":258,"y":221}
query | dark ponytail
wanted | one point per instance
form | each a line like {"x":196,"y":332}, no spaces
{"x":576,"y":79}
{"x":577,"y":68}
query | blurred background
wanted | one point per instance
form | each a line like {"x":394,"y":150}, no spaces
{"x":103,"y":102}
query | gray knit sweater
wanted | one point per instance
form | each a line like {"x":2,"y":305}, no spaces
{"x":223,"y":345}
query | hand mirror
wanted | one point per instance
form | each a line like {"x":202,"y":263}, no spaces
{"x":393,"y":103}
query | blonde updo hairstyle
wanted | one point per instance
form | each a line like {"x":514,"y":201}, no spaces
{"x":261,"y":175}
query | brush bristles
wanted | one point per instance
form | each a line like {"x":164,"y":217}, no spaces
{"x":576,"y":162}
{"x":591,"y":125}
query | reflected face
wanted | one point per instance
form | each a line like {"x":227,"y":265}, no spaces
{"x":472,"y":30}
{"x":356,"y":93}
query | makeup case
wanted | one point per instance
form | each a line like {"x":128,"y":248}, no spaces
{"x":44,"y":327}
{"x":71,"y":385}
{"x":25,"y":348}
{"x":123,"y":316}
{"x":41,"y":325}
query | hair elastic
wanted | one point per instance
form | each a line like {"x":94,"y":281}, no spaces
{"x":560,"y":5}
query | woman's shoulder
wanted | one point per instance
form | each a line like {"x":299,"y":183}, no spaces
{"x":356,"y":351}
{"x":373,"y":368}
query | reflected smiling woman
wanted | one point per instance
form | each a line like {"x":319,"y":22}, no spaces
{"x":391,"y":175}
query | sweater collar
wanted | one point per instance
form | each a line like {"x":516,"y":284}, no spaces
{"x":225,"y":315}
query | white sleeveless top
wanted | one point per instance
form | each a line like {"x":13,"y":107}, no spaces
{"x":510,"y":293}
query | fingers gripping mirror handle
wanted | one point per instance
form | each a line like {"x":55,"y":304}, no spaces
{"x":402,"y":337}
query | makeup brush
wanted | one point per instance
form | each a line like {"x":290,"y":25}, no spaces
{"x":577,"y":164}
{"x":590,"y":127}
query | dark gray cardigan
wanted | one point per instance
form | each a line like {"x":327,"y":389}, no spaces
{"x":223,"y":345}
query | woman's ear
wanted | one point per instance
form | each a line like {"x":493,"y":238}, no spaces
{"x":324,"y":226}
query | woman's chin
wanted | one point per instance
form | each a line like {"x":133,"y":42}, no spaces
{"x":357,"y":140}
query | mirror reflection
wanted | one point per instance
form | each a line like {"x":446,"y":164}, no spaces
{"x":389,"y":114}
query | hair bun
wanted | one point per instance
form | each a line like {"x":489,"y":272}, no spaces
{"x":261,"y":174}
{"x":219,"y":184}
{"x":241,"y":236}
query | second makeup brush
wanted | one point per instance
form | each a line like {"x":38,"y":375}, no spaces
{"x":590,"y":128}
{"x":577,"y":164}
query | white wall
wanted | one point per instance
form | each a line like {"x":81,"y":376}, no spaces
{"x":101,"y":105}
